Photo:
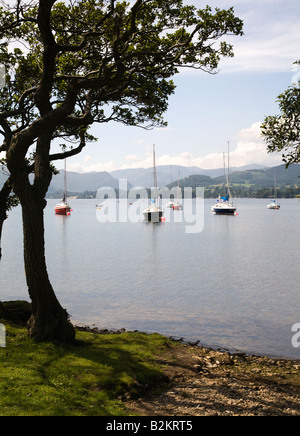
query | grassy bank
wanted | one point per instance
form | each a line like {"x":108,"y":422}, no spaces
{"x":109,"y":374}
{"x":90,"y":378}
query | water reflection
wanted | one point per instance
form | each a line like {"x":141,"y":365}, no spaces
{"x":235,"y":284}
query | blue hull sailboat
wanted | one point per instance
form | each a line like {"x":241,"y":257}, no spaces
{"x":224,"y":205}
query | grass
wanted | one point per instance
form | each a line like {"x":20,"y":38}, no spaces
{"x":89,"y":378}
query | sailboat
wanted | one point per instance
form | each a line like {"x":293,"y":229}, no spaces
{"x":63,"y":208}
{"x":274,"y":204}
{"x":177,"y":205}
{"x":224,"y":205}
{"x":170,"y":203}
{"x":153,"y":213}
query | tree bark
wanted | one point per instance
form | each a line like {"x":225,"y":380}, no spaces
{"x":49,"y":320}
{"x":4,"y":194}
{"x":2,"y":312}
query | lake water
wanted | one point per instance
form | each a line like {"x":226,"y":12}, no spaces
{"x":233,"y":285}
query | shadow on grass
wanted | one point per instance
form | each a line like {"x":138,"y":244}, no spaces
{"x":91,"y":377}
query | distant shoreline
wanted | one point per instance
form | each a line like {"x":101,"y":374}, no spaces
{"x":188,"y":343}
{"x":19,"y":311}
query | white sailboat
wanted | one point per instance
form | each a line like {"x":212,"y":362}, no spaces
{"x":274,"y":205}
{"x":170,"y":203}
{"x":224,"y":205}
{"x":154,"y":213}
{"x":177,"y":205}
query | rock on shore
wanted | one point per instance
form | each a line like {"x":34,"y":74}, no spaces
{"x":205,"y":382}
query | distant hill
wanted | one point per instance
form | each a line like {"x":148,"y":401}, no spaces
{"x":143,"y":177}
{"x":250,"y":183}
{"x":253,"y":181}
{"x":78,"y":182}
{"x":263,"y":177}
{"x":167,"y":174}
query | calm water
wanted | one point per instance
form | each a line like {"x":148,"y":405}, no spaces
{"x":233,"y":285}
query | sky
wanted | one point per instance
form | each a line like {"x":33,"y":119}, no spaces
{"x":208,"y":111}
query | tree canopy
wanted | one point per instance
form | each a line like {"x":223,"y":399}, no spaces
{"x":87,"y":61}
{"x":282,"y":132}
{"x":74,"y":63}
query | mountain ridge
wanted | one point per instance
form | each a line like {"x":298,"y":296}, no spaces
{"x":251,"y":175}
{"x":166,"y":174}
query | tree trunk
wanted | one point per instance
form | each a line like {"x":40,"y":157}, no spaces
{"x":4,"y":194}
{"x":2,"y":311}
{"x":2,"y":219}
{"x":49,"y":320}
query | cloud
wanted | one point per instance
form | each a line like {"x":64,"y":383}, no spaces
{"x":271,"y":36}
{"x":88,"y":159}
{"x":251,"y":148}
{"x":95,"y":167}
{"x":248,"y":148}
{"x":266,"y":51}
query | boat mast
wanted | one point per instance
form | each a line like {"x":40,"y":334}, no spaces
{"x":275,"y":189}
{"x":227,"y":175}
{"x":178,"y":187}
{"x":66,"y":180}
{"x":155,"y":176}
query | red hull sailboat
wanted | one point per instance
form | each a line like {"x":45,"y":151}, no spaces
{"x":63,"y":208}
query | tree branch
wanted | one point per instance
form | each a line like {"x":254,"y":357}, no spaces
{"x":70,"y":153}
{"x":42,"y":95}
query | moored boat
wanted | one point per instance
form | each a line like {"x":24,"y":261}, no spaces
{"x":153,"y":213}
{"x":177,"y":205}
{"x":224,"y":205}
{"x":274,"y":205}
{"x":170,"y":204}
{"x":63,"y":208}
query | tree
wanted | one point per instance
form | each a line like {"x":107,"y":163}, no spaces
{"x":81,"y":62}
{"x":282,"y":132}
{"x":7,"y":202}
